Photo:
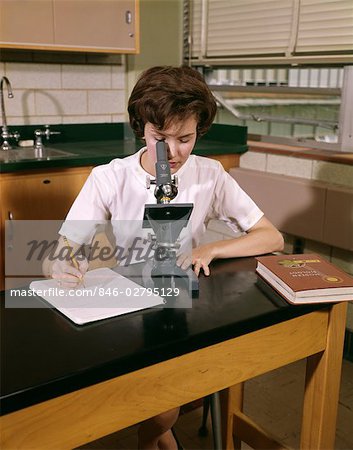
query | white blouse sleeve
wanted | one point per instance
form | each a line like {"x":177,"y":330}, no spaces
{"x":89,"y":210}
{"x":233,"y":205}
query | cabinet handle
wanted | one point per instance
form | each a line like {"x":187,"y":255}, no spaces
{"x":46,"y":181}
{"x":128,"y":17}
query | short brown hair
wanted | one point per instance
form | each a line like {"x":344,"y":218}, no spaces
{"x":165,"y":93}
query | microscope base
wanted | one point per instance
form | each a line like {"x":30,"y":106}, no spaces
{"x":165,"y":275}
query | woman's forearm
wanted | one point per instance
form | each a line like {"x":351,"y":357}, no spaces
{"x":256,"y":242}
{"x":261,"y":238}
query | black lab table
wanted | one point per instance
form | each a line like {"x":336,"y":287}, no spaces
{"x":63,"y":385}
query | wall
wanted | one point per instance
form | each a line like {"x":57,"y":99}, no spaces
{"x":161,"y":28}
{"x":50,"y":93}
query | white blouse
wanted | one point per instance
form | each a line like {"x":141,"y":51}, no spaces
{"x":117,"y":192}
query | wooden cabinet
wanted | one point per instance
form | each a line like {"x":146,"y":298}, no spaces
{"x":38,"y":196}
{"x":75,"y":25}
{"x":26,"y":22}
{"x":100,"y":24}
{"x":41,"y":195}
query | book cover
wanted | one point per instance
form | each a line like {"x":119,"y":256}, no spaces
{"x":305,"y":278}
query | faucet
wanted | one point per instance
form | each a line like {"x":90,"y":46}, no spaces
{"x":5,"y":134}
{"x":38,"y":143}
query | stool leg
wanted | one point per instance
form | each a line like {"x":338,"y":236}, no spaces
{"x":216,"y":421}
{"x":203,"y":431}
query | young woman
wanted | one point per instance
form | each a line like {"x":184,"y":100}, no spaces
{"x":173,"y":104}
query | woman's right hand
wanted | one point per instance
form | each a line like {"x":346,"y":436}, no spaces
{"x":67,"y":275}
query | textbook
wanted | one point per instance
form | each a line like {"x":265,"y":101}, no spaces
{"x":103,"y":294}
{"x":305,"y":278}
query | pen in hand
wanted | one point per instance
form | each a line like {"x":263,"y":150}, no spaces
{"x":73,"y":259}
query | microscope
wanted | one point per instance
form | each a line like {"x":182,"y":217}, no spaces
{"x":167,"y":221}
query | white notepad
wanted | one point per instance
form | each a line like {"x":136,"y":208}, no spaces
{"x":105,"y":294}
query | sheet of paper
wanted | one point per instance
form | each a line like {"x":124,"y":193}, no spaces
{"x":105,"y":294}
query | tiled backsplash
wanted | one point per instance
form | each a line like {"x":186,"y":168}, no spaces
{"x":64,"y":93}
{"x":329,"y":172}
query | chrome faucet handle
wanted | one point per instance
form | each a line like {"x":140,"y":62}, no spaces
{"x":38,"y":143}
{"x":48,"y":132}
{"x":16,"y":135}
{"x":6,"y":135}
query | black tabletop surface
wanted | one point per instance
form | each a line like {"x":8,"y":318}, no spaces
{"x":44,"y":355}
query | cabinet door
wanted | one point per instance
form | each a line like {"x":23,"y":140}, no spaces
{"x":26,"y":23}
{"x":78,"y":25}
{"x":37,"y":196}
{"x":42,"y":195}
{"x":96,"y":24}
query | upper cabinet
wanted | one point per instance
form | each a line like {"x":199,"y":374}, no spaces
{"x":24,"y":23}
{"x":71,"y":25}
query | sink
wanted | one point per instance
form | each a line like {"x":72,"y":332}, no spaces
{"x":23,"y":153}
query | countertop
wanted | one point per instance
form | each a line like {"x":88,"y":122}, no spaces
{"x":301,"y":152}
{"x":95,"y":144}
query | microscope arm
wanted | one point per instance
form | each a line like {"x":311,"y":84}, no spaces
{"x":167,"y":220}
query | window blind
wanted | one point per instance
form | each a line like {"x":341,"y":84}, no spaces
{"x":248,"y":27}
{"x":264,"y":28}
{"x":325,"y":26}
{"x":196,"y":25}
